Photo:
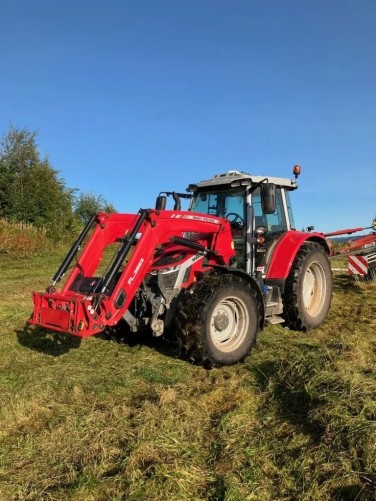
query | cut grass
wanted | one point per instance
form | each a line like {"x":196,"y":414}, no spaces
{"x":102,"y":419}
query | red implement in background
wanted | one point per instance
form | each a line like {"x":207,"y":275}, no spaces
{"x":361,"y":252}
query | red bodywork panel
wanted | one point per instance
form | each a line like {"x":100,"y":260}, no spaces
{"x":77,"y":310}
{"x":285,"y":251}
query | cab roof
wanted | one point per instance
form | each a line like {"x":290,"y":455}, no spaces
{"x":234,"y":178}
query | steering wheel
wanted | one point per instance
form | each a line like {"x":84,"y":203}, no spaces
{"x":236,"y":221}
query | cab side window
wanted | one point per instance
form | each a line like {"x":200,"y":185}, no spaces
{"x":275,"y":222}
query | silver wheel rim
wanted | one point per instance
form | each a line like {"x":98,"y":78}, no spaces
{"x":229,"y":324}
{"x":314,"y":289}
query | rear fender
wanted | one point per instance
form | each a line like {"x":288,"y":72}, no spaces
{"x":286,"y":250}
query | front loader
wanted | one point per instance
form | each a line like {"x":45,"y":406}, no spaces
{"x":213,"y":274}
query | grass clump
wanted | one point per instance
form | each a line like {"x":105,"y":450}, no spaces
{"x":330,"y":412}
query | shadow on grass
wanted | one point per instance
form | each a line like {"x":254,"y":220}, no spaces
{"x":57,"y":343}
{"x":346,"y":283}
{"x":353,"y":492}
{"x":291,"y":400}
{"x":43,"y":341}
{"x":166,"y":345}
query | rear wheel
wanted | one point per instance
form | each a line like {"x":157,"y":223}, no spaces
{"x":308,"y":288}
{"x":218,"y":320}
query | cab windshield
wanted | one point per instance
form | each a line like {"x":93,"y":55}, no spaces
{"x":220,"y":203}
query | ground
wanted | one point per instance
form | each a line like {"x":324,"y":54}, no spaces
{"x":108,"y":418}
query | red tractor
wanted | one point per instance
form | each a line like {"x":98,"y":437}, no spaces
{"x":214,"y":274}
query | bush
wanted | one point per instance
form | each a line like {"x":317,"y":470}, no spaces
{"x":21,"y":238}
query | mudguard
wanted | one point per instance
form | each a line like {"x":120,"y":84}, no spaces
{"x":286,"y":249}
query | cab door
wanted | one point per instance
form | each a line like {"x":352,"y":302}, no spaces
{"x":277,"y":224}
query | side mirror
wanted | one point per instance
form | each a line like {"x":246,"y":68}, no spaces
{"x":160,"y":203}
{"x":268,"y":198}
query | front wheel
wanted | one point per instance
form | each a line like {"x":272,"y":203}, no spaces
{"x":218,"y":320}
{"x":308,"y":289}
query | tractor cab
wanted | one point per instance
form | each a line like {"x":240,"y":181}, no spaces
{"x":257,"y":207}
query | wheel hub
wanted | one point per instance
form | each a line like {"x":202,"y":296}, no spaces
{"x":221,"y":321}
{"x":229,"y":323}
{"x":314,"y":289}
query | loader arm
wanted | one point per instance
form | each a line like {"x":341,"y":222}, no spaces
{"x":91,"y":299}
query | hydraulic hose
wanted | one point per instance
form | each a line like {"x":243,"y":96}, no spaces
{"x":68,"y":259}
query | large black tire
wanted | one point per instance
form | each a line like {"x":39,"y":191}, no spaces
{"x":218,"y":319}
{"x":308,"y":290}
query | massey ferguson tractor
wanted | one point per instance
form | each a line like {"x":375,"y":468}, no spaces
{"x":213,"y":275}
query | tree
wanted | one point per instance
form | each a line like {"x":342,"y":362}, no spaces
{"x":30,"y":189}
{"x":18,"y":153}
{"x":87,"y":203}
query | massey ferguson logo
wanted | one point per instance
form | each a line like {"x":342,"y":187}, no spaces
{"x":202,"y":218}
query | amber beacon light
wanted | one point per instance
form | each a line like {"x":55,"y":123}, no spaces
{"x":296,"y":171}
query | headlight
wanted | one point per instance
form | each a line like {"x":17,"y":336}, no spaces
{"x":260,"y":231}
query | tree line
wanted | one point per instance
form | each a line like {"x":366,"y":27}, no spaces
{"x":32,"y":191}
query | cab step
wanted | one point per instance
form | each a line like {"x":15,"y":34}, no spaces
{"x":275,"y":319}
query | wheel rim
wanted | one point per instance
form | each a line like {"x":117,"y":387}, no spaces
{"x":229,"y":324}
{"x":314,"y":289}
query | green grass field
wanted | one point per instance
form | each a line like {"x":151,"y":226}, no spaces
{"x":107,"y":420}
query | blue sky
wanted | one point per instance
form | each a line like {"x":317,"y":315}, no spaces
{"x":132,"y":98}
